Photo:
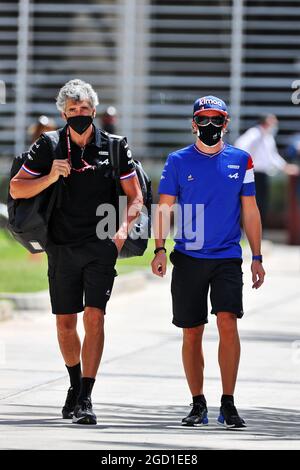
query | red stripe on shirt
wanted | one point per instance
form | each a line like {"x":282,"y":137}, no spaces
{"x":250,"y":163}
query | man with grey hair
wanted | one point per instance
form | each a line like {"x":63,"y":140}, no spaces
{"x":80,"y":264}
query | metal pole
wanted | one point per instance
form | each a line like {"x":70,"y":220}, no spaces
{"x":21,"y":75}
{"x":142,"y":62}
{"x":127,"y":65}
{"x":236,"y":67}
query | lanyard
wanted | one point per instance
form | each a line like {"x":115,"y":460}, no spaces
{"x":86,"y":165}
{"x":69,"y":147}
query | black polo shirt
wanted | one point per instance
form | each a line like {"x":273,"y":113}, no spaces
{"x":75,"y":221}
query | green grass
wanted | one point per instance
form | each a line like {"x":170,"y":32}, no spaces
{"x":22,"y":272}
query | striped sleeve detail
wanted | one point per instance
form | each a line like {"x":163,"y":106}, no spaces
{"x":128,"y":175}
{"x":248,"y":186}
{"x":31,"y":172}
{"x":250,"y":163}
{"x":249,"y":175}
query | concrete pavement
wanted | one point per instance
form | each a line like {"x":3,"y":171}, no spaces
{"x":140,"y":394}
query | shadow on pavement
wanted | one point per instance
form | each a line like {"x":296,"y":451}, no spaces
{"x":263,"y":423}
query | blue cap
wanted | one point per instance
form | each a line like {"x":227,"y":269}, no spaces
{"x":209,"y":102}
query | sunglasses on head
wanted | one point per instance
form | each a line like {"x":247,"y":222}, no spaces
{"x":203,"y":120}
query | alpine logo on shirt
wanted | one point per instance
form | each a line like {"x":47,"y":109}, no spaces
{"x":105,"y":162}
{"x":235,"y":176}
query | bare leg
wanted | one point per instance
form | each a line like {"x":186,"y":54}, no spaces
{"x":68,"y":338}
{"x":193,"y":360}
{"x":92,"y":348}
{"x":229,"y":350}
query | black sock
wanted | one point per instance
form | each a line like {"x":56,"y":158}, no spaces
{"x":226,"y":398}
{"x":75,"y":376}
{"x":86,"y":388}
{"x":199,"y":399}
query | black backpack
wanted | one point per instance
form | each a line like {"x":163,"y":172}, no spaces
{"x":28,"y":219}
{"x":137,"y":240}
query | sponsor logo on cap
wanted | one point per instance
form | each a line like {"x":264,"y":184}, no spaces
{"x":203,"y":101}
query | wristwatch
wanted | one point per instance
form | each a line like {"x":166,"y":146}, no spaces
{"x":257,"y":258}
{"x":159,"y":248}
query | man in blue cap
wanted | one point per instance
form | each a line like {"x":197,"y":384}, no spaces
{"x":213,"y":183}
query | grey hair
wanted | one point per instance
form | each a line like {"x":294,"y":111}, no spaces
{"x":76,"y":90}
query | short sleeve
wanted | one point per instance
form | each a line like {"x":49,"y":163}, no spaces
{"x":169,"y":179}
{"x":127,"y":167}
{"x":39,"y":159}
{"x":248,"y":187}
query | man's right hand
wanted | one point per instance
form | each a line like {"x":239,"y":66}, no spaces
{"x":59,"y":168}
{"x":159,"y":264}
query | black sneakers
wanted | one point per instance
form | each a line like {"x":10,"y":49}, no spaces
{"x":80,"y":413}
{"x":229,"y":416}
{"x":83,"y":413}
{"x":71,"y":400}
{"x":197,"y":415}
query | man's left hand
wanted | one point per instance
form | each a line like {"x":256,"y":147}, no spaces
{"x":258,"y":274}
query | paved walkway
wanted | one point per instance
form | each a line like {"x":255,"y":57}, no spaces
{"x":141,"y":395}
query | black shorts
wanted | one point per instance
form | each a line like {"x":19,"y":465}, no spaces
{"x":191,"y":280}
{"x":81,"y":276}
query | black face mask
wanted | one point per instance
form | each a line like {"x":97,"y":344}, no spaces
{"x":80,"y":124}
{"x":210,"y":135}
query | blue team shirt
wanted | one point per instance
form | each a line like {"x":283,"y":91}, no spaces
{"x":208,"y":190}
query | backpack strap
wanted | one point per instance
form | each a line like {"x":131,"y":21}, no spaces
{"x":53,"y":140}
{"x":114,"y":143}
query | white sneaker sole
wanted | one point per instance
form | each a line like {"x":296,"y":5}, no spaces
{"x":84,"y":420}
{"x":231,"y":426}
